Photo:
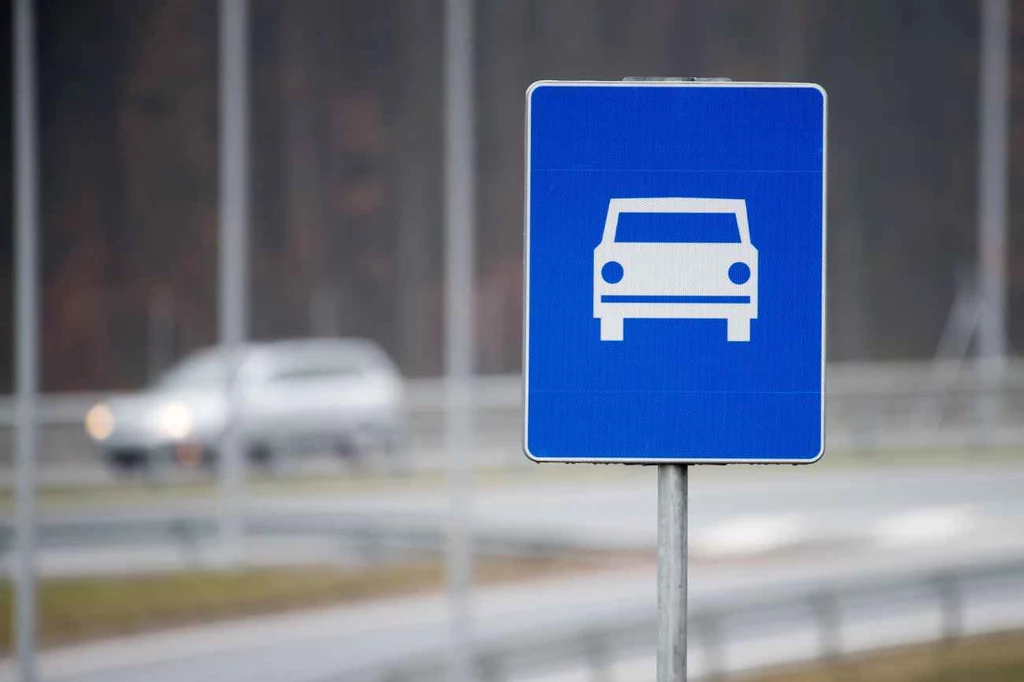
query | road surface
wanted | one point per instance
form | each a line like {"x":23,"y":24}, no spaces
{"x":753,"y":529}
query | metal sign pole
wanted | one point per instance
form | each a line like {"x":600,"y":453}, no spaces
{"x":234,"y":219}
{"x":459,"y":306}
{"x":27,"y":320}
{"x":993,"y":167}
{"x":672,"y":510}
{"x":993,"y":114}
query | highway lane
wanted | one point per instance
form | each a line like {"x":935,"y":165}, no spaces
{"x":731,"y":510}
{"x":734,"y":513}
{"x":745,"y":522}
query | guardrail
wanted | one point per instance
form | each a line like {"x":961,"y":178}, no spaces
{"x":369,"y":536}
{"x":714,"y":628}
{"x":872,"y":406}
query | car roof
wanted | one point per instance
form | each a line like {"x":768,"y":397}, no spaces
{"x":365,"y":348}
{"x":324,"y":344}
{"x":662,"y":205}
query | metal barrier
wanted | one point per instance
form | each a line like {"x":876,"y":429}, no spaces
{"x":872,"y":407}
{"x":370,"y":536}
{"x":595,"y":647}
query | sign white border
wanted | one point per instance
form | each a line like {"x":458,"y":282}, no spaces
{"x":526,"y":270}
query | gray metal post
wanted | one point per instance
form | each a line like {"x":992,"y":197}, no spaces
{"x":672,"y":509}
{"x":234,"y":219}
{"x":26,"y":307}
{"x":715,"y":662}
{"x":596,"y":651}
{"x":160,"y":331}
{"x":952,"y":606}
{"x":993,"y":117}
{"x":459,"y":308}
{"x":830,"y":625}
{"x":993,"y":137}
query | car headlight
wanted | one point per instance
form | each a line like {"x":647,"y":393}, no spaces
{"x":99,"y":422}
{"x":175,"y":420}
{"x":739,"y":272}
{"x":612,"y":272}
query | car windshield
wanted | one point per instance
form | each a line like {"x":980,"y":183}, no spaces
{"x":312,"y":363}
{"x":678,"y":228}
{"x":204,"y":369}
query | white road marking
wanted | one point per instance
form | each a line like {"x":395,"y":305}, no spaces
{"x":926,"y":525}
{"x":747,"y":535}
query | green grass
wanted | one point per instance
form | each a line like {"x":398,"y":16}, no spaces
{"x":996,"y":658}
{"x":73,"y":610}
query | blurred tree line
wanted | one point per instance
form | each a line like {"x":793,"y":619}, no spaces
{"x":347,"y":234}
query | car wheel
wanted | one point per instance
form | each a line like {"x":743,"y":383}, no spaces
{"x":125,"y":463}
{"x":611,"y":328}
{"x":346,"y":448}
{"x":738,"y":329}
{"x":356,"y":456}
{"x":395,"y":455}
{"x":262,"y":456}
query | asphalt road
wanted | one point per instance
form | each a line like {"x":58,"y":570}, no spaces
{"x":734,"y":512}
{"x":755,"y":529}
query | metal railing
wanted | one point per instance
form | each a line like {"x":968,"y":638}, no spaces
{"x":715,"y":628}
{"x":369,"y":536}
{"x":872,"y":406}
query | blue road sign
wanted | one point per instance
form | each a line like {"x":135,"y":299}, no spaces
{"x":675,"y":272}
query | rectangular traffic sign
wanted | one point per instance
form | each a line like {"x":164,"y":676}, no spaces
{"x":675,"y":272}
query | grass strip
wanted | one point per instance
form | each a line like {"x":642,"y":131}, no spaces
{"x":994,"y":658}
{"x":73,"y":610}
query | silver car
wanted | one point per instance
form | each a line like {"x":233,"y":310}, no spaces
{"x":341,"y":395}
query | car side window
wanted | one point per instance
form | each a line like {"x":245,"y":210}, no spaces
{"x":315,"y":368}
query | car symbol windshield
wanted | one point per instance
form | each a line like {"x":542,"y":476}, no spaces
{"x":679,"y":228}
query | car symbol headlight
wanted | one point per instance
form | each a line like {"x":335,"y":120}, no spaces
{"x":175,"y":420}
{"x":612,"y":272}
{"x":739,"y":273}
{"x":99,"y":422}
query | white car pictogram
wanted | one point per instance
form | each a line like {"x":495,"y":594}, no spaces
{"x":670,"y":268}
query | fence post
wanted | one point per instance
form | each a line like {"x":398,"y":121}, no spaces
{"x":186,"y":536}
{"x":596,"y":653}
{"x":951,"y":604}
{"x":369,"y":544}
{"x":826,"y":607}
{"x":709,"y":627}
{"x":489,"y":669}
